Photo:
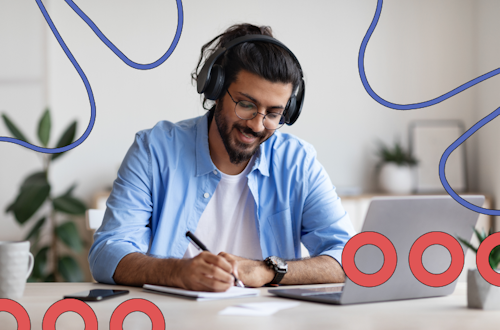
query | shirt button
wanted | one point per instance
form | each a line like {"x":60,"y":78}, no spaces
{"x":215,"y":172}
{"x":206,"y":195}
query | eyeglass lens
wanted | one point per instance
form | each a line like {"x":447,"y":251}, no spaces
{"x":248,"y":110}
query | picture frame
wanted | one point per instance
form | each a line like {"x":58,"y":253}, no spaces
{"x":428,"y":141}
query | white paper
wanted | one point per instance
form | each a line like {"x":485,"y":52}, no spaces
{"x":233,"y":292}
{"x":258,"y":309}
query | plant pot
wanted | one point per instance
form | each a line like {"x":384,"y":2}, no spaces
{"x":396,"y":179}
{"x":481,"y":294}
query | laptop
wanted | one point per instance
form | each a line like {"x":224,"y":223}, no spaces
{"x":402,"y":220}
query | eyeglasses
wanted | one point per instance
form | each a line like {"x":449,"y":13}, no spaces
{"x":247,"y":110}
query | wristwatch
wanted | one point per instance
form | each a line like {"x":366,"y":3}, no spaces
{"x":279,"y":266}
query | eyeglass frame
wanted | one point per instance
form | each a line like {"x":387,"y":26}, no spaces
{"x":256,"y":112}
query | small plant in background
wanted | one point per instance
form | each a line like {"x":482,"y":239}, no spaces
{"x":397,"y":154}
{"x":35,"y":192}
{"x":395,"y":169}
{"x":494,"y":258}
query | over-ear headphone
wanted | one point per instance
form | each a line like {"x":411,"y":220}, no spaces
{"x":211,"y":77}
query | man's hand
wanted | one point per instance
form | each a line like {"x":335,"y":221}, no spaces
{"x":252,"y":273}
{"x":205,"y":272}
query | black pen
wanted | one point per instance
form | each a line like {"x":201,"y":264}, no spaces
{"x":196,"y":242}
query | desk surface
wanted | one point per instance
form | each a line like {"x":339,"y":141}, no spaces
{"x":433,"y":313}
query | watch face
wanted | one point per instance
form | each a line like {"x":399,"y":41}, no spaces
{"x":280,"y":263}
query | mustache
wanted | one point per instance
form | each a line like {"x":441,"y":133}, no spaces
{"x":249,"y":131}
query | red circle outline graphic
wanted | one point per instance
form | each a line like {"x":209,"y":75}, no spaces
{"x":384,"y":273}
{"x":69,"y":305}
{"x":483,"y":257}
{"x":436,"y":238}
{"x":17,"y":310}
{"x":137,"y":305}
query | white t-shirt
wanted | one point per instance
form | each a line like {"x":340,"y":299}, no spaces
{"x":228,"y":223}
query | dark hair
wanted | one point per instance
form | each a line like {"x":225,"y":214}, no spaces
{"x":264,"y":59}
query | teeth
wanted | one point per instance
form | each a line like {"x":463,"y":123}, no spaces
{"x":247,"y":136}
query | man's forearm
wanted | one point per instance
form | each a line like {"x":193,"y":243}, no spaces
{"x":137,"y":269}
{"x":317,"y":270}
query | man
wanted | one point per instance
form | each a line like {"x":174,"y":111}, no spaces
{"x":247,"y":191}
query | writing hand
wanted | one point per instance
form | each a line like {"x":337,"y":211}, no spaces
{"x":253,"y":273}
{"x":205,"y":272}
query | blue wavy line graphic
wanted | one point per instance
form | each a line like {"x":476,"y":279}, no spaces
{"x":454,"y":145}
{"x":180,"y":22}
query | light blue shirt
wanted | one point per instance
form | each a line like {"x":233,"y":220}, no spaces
{"x":167,"y":179}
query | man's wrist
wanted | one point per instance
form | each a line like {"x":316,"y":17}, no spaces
{"x":279,"y":266}
{"x":172,"y":273}
{"x":267,"y":274}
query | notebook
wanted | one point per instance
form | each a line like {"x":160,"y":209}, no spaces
{"x":233,"y":292}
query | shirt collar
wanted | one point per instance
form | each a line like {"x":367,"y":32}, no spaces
{"x":261,"y":161}
{"x":204,"y":162}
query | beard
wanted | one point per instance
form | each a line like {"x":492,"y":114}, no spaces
{"x":238,"y":151}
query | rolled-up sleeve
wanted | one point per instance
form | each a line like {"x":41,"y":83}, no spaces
{"x":326,"y":226}
{"x":125,"y":228}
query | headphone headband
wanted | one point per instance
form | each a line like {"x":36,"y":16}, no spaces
{"x":211,"y":77}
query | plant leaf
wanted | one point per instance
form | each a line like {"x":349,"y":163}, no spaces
{"x":480,"y":236}
{"x":495,"y":252}
{"x":50,"y":278}
{"x":10,"y":208}
{"x":66,"y":139}
{"x":68,"y":233}
{"x":69,"y":192}
{"x":396,"y":154}
{"x":40,"y":263}
{"x":32,"y":279}
{"x":13,"y":128}
{"x":36,"y":184}
{"x":44,"y":128}
{"x":34,"y":179}
{"x":69,"y":269}
{"x":29,"y":200}
{"x":466,"y":243}
{"x":35,"y":231}
{"x":69,"y":205}
{"x":494,"y":257}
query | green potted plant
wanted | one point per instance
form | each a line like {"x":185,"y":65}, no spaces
{"x":395,"y":169}
{"x":480,"y":293}
{"x":35,"y":198}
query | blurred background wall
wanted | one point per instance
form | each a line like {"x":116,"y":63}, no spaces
{"x":420,"y":50}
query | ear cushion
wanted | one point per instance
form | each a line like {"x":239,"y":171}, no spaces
{"x":291,"y":111}
{"x":298,"y":102}
{"x":215,"y":84}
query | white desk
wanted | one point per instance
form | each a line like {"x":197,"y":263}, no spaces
{"x":434,"y":313}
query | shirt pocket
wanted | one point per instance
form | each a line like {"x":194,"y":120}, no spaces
{"x":281,"y":226}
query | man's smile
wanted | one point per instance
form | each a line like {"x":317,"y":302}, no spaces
{"x":246,"y":138}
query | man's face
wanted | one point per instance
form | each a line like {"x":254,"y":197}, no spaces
{"x":241,"y":137}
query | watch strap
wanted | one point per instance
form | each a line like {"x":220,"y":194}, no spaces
{"x":278,"y":275}
{"x":277,"y":278}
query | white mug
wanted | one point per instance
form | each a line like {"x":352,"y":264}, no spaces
{"x":16,"y":264}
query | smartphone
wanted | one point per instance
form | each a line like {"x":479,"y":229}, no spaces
{"x":96,"y":294}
